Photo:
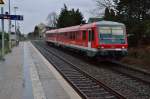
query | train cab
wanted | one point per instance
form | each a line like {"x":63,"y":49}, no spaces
{"x":112,"y":39}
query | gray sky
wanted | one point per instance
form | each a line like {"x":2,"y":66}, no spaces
{"x":36,"y":11}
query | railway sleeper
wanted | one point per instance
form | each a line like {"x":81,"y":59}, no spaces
{"x":75,"y":74}
{"x":84,"y":85}
{"x":103,"y":96}
{"x":93,"y":89}
{"x":74,"y":80}
{"x":69,"y":70}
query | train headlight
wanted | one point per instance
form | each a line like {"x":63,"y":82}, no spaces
{"x":123,"y":47}
{"x":102,"y":46}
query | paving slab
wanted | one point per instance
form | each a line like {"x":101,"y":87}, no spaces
{"x":11,"y":74}
{"x":53,"y":85}
{"x":26,"y":74}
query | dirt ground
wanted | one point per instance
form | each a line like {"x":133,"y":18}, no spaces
{"x":138,"y":57}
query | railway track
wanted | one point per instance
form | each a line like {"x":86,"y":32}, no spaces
{"x":128,"y":86}
{"x":87,"y":87}
{"x":136,"y":74}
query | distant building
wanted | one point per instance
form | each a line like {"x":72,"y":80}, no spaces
{"x":46,"y":29}
{"x":43,"y":28}
{"x":95,"y":19}
{"x":13,"y":36}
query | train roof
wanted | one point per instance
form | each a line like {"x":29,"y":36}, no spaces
{"x":52,"y":31}
{"x":110,"y":23}
{"x":69,"y":29}
{"x":85,"y":26}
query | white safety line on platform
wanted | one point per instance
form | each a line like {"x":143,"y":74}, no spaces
{"x":71,"y":92}
{"x":38,"y":91}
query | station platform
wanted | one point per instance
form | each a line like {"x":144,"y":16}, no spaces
{"x":26,"y":74}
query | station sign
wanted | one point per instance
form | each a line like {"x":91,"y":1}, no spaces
{"x":11,"y":17}
{"x":16,"y":17}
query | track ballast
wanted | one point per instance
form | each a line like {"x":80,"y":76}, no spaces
{"x":87,"y":86}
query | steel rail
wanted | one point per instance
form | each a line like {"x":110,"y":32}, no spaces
{"x":78,"y":79}
{"x":127,"y":68}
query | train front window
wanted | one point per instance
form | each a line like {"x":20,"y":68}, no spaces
{"x":111,"y":35}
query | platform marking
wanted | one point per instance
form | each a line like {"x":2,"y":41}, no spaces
{"x":66,"y":86}
{"x":28,"y":90}
{"x":38,"y":91}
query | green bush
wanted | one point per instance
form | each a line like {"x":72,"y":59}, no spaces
{"x":6,"y":48}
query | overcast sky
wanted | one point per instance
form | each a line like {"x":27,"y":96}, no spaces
{"x":36,"y":11}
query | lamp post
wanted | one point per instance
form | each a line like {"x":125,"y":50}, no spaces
{"x":15,"y":10}
{"x":9,"y":25}
{"x":3,"y":39}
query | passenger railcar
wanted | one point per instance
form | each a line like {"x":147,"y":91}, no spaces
{"x":103,"y":38}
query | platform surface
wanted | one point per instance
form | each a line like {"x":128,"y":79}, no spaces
{"x":11,"y":74}
{"x":26,"y":74}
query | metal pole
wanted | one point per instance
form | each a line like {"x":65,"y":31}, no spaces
{"x":15,"y":10}
{"x":3,"y":39}
{"x":15,"y":25}
{"x":9,"y":26}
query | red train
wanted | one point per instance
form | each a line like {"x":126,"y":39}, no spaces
{"x":103,"y":38}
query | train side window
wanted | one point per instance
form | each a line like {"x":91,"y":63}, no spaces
{"x":92,"y":35}
{"x":74,"y":36}
{"x":78,"y":35}
{"x":89,"y":35}
{"x":84,"y":35}
{"x":70,"y":35}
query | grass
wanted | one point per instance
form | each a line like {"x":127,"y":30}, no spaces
{"x":6,"y":49}
{"x":139,"y":57}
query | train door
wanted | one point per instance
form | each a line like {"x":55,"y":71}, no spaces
{"x":89,"y":38}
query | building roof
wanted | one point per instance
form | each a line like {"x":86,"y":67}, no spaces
{"x":95,"y":19}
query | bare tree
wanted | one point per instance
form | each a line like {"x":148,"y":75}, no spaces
{"x":52,"y":19}
{"x":101,"y":5}
{"x":96,"y":12}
